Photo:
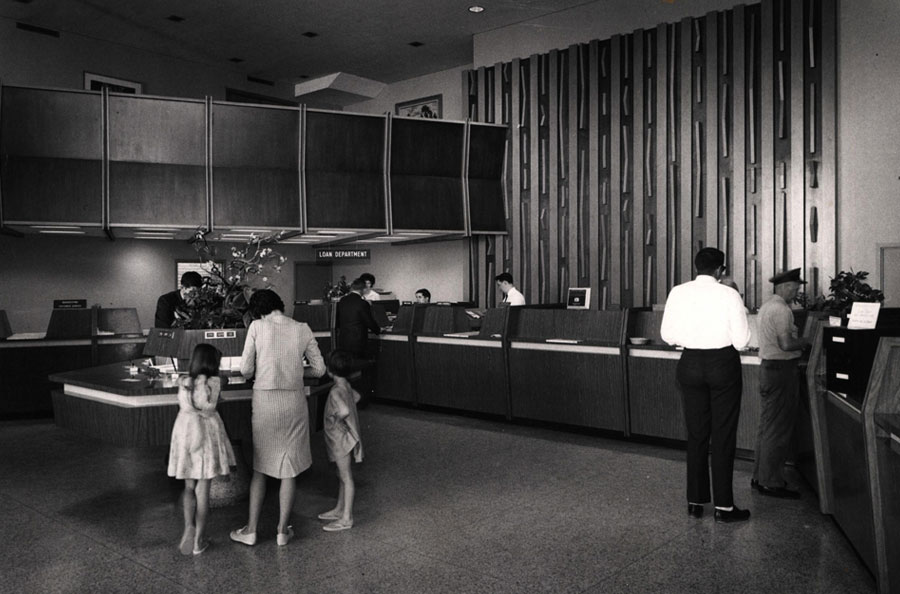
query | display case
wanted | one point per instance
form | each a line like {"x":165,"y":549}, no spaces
{"x":51,"y":160}
{"x":426,"y":175}
{"x":157,"y":166}
{"x":484,"y":174}
{"x":255,"y":168}
{"x":344,"y":171}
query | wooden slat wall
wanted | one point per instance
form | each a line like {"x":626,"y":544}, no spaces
{"x":627,"y":154}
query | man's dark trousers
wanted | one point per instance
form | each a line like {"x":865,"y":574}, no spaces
{"x":711,"y":384}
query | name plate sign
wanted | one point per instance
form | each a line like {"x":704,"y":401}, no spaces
{"x":70,"y":304}
{"x":341,"y":254}
{"x":214,"y":334}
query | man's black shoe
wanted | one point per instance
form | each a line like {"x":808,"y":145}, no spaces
{"x":779,"y":492}
{"x":734,"y":515}
{"x":695,"y":510}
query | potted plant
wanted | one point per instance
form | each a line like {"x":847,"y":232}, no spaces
{"x":221,"y":303}
{"x":846,"y":288}
{"x":334,"y":292}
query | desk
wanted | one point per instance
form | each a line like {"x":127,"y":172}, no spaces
{"x":107,"y":403}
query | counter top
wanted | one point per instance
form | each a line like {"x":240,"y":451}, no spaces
{"x":115,"y":378}
{"x":888,"y":421}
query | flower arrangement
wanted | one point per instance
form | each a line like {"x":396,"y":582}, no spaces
{"x":845,"y":289}
{"x":336,"y":290}
{"x":223,"y":299}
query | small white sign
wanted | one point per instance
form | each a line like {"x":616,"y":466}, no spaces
{"x":863,"y":315}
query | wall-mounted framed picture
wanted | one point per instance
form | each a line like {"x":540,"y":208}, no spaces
{"x":98,"y":82}
{"x":426,"y":107}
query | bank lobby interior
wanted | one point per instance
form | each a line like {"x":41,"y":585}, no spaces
{"x":595,"y":145}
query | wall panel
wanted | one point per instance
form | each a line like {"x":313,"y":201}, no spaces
{"x":630,"y":153}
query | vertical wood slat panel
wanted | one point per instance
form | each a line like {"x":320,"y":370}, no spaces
{"x":553,"y":178}
{"x":532,"y":250}
{"x":710,"y":189}
{"x":686,"y":209}
{"x":501,"y":243}
{"x":515,"y":203}
{"x":766,"y":259}
{"x":737,"y":266}
{"x":592,"y":199}
{"x":615,"y":167}
{"x":637,"y":195}
{"x":661,"y":239}
{"x":481,"y":107}
{"x":573,"y":175}
{"x":826,"y":246}
{"x":795,"y":226}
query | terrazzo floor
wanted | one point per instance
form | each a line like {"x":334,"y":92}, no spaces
{"x":444,"y":504}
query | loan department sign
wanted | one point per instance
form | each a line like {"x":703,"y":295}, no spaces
{"x":341,"y":254}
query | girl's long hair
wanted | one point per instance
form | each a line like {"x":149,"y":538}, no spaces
{"x":205,"y":361}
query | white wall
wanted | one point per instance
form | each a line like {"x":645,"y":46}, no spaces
{"x":447,"y":83}
{"x":868,"y":136}
{"x":440,"y":267}
{"x":30,"y":59}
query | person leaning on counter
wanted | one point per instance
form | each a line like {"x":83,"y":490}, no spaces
{"x":353,"y":321}
{"x":171,"y":305}
{"x":708,"y":320}
{"x":511,"y":295}
{"x":779,"y":386}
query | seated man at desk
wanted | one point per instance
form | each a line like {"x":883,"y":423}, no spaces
{"x":172,"y":305}
{"x":423,"y":296}
{"x":511,"y":295}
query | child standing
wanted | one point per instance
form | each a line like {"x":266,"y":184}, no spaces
{"x":342,"y":438}
{"x":200,"y":448}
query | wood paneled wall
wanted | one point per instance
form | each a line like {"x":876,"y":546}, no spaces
{"x":627,"y":155}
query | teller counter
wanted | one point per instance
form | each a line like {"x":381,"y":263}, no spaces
{"x":565,"y":366}
{"x":458,"y":368}
{"x":394,"y":367}
{"x":319,"y":318}
{"x":75,"y":339}
{"x":655,"y":408}
{"x":881,"y":414}
{"x":110,"y":403}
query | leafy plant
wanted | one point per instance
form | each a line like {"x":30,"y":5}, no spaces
{"x":223,"y":299}
{"x":336,"y":290}
{"x":845,"y":289}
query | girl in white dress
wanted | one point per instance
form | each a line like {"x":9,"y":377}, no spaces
{"x":200,"y":448}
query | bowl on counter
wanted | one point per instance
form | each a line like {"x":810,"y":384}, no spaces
{"x":639,"y":340}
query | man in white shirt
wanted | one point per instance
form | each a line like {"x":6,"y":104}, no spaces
{"x":779,"y":386}
{"x":511,"y":295}
{"x":708,"y":320}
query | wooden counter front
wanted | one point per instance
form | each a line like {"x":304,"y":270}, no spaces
{"x":110,"y":404}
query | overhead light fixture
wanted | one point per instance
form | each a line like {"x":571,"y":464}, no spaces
{"x":416,"y":43}
{"x":48,"y":232}
{"x":57,"y":227}
{"x":175,"y":18}
{"x":476,"y":9}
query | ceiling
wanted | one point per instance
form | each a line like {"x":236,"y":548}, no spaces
{"x":272,"y":38}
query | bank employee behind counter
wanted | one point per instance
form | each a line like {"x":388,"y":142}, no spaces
{"x":423,"y":296}
{"x":511,"y":295}
{"x":172,"y":305}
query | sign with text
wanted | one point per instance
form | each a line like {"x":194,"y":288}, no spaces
{"x":863,"y":315}
{"x":341,"y":254}
{"x":69,"y":303}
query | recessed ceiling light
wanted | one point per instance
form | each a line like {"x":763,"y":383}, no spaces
{"x":310,"y":34}
{"x":476,"y":9}
{"x":416,"y":43}
{"x":236,"y":60}
{"x":174,"y":18}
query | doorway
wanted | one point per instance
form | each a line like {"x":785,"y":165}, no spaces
{"x":310,"y":279}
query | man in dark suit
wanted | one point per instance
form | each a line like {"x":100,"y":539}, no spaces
{"x":353,"y":321}
{"x":168,"y":304}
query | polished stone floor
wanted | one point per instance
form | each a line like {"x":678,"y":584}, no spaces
{"x":444,"y":504}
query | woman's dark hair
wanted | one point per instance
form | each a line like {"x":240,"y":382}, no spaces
{"x":264,"y":302}
{"x":340,"y":363}
{"x":366,"y":276}
{"x":205,"y":361}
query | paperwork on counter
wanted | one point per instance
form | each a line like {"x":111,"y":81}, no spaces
{"x":463,"y":334}
{"x":563,"y":340}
